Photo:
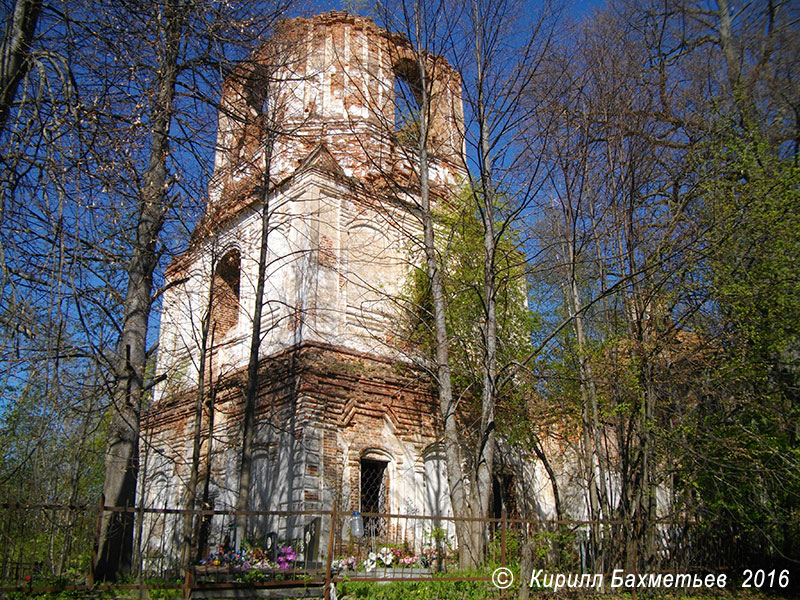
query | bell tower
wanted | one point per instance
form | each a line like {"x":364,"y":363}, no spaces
{"x":319,"y":118}
{"x":313,"y":136}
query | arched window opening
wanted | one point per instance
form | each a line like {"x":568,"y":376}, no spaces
{"x":225,"y":303}
{"x":260,"y":98}
{"x":256,"y":88}
{"x":408,"y":100}
{"x":251,"y":115}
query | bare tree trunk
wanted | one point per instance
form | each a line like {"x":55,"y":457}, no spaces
{"x":588,"y":429}
{"x":15,"y":52}
{"x":538,"y":449}
{"x":115,"y":544}
{"x":251,"y":389}
{"x":447,"y":404}
{"x":593,"y":465}
{"x":204,"y":523}
{"x":200,"y":403}
{"x":499,"y":106}
{"x":484,"y":459}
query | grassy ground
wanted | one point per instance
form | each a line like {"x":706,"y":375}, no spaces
{"x":436,"y":590}
{"x":448,"y":590}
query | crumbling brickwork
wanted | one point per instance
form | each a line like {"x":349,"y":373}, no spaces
{"x":337,"y":387}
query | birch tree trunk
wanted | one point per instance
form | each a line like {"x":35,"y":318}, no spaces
{"x":447,"y":406}
{"x":484,"y":459}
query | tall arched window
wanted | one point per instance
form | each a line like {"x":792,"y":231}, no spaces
{"x":225,"y":304}
{"x":407,"y":100}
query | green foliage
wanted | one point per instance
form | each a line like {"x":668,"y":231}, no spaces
{"x":514,"y":541}
{"x":422,"y":590}
{"x":155,"y":590}
{"x":746,"y":430}
{"x":253,"y":577}
{"x":50,"y":452}
{"x":439,"y":536}
{"x":556,"y":548}
{"x":460,"y":244}
{"x":173,"y":593}
{"x":754,"y":209}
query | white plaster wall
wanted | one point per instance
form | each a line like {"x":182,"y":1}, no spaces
{"x":437,"y":496}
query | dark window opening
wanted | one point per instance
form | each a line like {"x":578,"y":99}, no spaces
{"x":252,"y":114}
{"x":504,"y":496}
{"x":408,"y":99}
{"x":373,"y":496}
{"x":257,"y":89}
{"x":225,"y":303}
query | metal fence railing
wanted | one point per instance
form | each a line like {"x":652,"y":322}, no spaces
{"x":49,"y":547}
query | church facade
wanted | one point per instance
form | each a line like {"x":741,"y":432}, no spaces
{"x":343,"y":412}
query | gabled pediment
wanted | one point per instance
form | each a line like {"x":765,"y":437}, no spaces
{"x":320,"y":159}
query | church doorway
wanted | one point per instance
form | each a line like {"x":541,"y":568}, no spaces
{"x":373,"y":495}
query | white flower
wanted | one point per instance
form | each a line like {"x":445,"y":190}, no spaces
{"x":386,"y":556}
{"x":371,"y":561}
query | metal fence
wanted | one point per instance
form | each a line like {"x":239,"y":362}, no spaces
{"x":52,"y":547}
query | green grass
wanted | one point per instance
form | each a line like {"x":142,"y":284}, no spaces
{"x":481,"y":590}
{"x":418,"y":590}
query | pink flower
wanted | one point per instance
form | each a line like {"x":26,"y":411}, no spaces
{"x":288,"y":556}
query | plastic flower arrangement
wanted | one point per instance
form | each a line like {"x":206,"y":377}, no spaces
{"x":410,"y":560}
{"x":346,"y":563}
{"x":428,"y":557}
{"x":287,"y":558}
{"x":385,"y":557}
{"x":249,"y":557}
{"x":371,"y":562}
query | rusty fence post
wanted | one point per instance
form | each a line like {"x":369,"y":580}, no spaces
{"x":503,"y":537}
{"x":329,"y":557}
{"x":188,"y":582}
{"x":188,"y":569}
{"x":503,"y":543}
{"x":139,"y":554}
{"x":101,"y":508}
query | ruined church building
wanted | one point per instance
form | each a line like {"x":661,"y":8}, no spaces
{"x":343,"y":414}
